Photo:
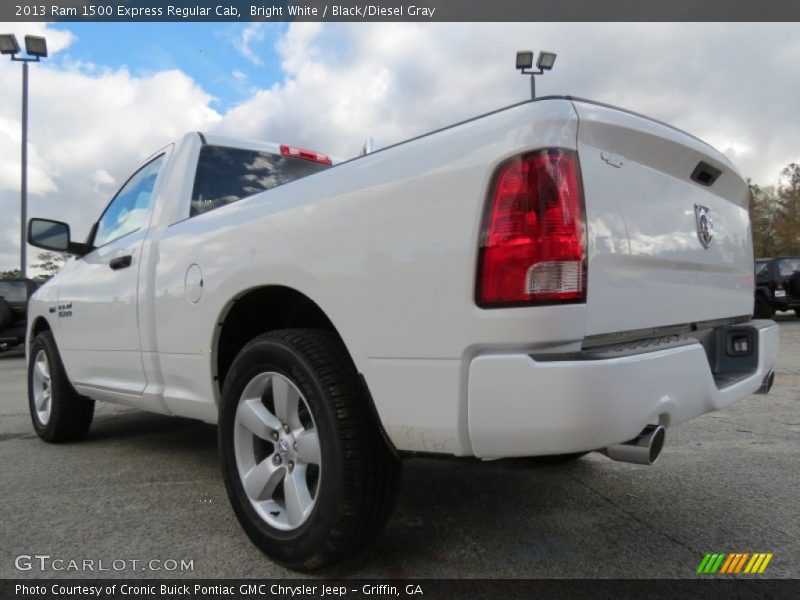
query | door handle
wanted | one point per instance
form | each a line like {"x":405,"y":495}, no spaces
{"x":121,"y":262}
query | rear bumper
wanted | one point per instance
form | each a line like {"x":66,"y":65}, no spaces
{"x":518,"y":406}
{"x":785,"y":303}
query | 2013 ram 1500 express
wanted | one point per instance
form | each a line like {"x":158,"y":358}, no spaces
{"x":552,"y":278}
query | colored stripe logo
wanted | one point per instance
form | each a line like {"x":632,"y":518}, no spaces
{"x":734,"y":563}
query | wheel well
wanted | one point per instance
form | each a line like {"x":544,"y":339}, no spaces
{"x":258,"y":311}
{"x":39,"y":325}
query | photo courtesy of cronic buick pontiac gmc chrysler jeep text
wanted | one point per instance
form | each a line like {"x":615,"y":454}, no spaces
{"x":550,"y":279}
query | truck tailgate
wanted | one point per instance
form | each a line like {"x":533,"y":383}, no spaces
{"x":668,"y":228}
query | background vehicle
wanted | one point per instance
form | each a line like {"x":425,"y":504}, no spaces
{"x":14,"y":294}
{"x":777,"y":285}
{"x":549,"y":279}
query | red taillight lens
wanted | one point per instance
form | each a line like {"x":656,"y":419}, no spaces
{"x":533,"y":238}
{"x":306,"y":154}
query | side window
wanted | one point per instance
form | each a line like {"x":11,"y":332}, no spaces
{"x":128,"y":210}
{"x":225,"y":175}
{"x":788,"y":266}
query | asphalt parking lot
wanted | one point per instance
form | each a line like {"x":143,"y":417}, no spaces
{"x":148,"y":487}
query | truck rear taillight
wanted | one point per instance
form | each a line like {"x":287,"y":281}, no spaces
{"x":305,"y":154}
{"x":532,"y":245}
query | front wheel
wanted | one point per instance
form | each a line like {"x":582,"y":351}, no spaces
{"x":58,"y":412}
{"x":306,"y":468}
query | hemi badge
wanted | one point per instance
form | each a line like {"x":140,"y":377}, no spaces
{"x":52,"y":309}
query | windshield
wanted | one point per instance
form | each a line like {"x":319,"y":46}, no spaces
{"x":761,"y":266}
{"x":788,"y":266}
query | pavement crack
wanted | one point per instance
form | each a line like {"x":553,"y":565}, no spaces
{"x":644,"y":523}
{"x":4,"y":437}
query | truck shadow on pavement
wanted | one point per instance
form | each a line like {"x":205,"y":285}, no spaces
{"x":434,"y":522}
{"x":152,"y":433}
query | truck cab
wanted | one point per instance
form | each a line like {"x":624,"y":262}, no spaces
{"x":117,"y":303}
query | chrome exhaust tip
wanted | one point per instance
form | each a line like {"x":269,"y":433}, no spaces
{"x":766,"y":385}
{"x":644,"y":449}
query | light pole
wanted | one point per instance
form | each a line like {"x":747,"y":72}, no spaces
{"x":544,"y":63}
{"x":36,"y":49}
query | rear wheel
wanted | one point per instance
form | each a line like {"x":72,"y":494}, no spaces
{"x":305,"y":466}
{"x":797,"y":312}
{"x":763,"y":308}
{"x":58,"y":412}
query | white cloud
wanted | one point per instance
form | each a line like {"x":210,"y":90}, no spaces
{"x":342,"y":83}
{"x":57,"y":39}
{"x":346,"y":82}
{"x":39,"y":182}
{"x":243,"y":42}
{"x":102,"y":180}
{"x":89,"y":128}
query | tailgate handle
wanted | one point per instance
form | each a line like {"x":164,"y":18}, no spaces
{"x":705,"y":174}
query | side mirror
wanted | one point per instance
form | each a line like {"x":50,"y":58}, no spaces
{"x":54,"y":235}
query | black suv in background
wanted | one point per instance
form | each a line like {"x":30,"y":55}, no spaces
{"x":777,"y":285}
{"x":14,"y":294}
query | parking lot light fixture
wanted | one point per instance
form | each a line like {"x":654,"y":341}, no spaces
{"x":36,"y":49}
{"x":9,"y":44}
{"x":544,"y":63}
{"x":524,"y":59}
{"x":36,"y":46}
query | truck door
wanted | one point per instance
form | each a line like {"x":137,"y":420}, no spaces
{"x":97,"y":305}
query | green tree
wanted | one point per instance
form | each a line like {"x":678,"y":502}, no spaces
{"x":11,"y":274}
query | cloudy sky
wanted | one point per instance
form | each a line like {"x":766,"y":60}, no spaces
{"x":110,"y":94}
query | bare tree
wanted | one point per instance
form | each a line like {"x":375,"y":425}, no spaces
{"x":788,"y":211}
{"x":763,"y":208}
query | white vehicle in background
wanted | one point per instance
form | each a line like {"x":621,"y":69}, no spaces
{"x":550,"y":279}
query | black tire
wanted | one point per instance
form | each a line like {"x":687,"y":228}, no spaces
{"x":797,"y":312}
{"x":6,"y":314}
{"x":763,"y":308}
{"x":70,"y":413}
{"x":794,"y":285}
{"x":359,"y":474}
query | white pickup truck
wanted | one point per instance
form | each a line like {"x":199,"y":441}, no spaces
{"x":549,"y":279}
